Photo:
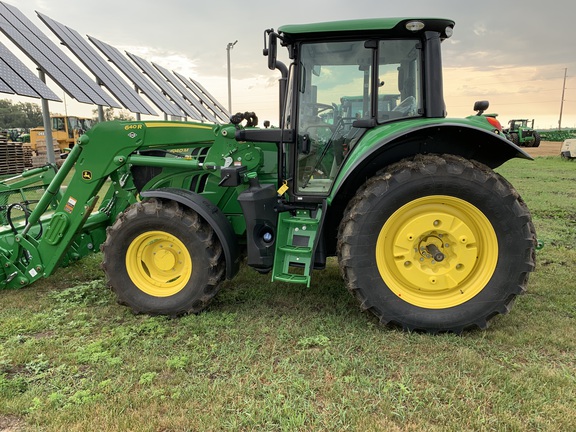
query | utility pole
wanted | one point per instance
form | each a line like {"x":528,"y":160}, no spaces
{"x":228,"y":48}
{"x":562,"y":100}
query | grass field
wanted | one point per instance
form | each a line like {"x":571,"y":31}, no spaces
{"x":279,"y":357}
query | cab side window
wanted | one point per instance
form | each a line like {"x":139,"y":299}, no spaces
{"x":399,"y":86}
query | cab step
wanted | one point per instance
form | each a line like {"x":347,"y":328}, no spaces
{"x":296,"y":241}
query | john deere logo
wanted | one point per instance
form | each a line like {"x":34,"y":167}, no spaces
{"x":87,"y":175}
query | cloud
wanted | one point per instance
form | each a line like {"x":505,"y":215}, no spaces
{"x":168,"y":59}
{"x":529,"y":42}
{"x":480,"y":30}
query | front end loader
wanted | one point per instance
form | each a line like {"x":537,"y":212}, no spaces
{"x":428,"y":237}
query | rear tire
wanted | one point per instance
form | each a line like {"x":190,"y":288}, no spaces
{"x":437,"y":244}
{"x":163,"y":259}
{"x":536,"y":142}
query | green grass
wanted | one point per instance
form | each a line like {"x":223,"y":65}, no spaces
{"x":273,"y":357}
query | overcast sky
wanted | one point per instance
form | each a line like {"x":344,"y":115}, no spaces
{"x":513,"y":54}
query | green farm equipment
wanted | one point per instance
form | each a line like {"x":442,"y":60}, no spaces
{"x":522,"y":134}
{"x":428,"y":237}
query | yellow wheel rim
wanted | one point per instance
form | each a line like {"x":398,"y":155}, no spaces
{"x":158,"y":263}
{"x":437,"y":252}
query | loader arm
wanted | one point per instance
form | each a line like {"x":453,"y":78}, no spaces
{"x":70,"y":222}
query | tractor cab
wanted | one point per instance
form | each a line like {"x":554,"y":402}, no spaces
{"x":391,"y":66}
{"x":327,"y":128}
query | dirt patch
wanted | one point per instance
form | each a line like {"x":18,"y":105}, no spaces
{"x":546,"y":148}
{"x":11,"y":424}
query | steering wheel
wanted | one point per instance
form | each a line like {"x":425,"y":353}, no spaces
{"x":314,"y":120}
{"x":318,"y":107}
{"x":407,"y":106}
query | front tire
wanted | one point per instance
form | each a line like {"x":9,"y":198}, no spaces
{"x":437,"y":243}
{"x":515,"y":138}
{"x":163,"y":259}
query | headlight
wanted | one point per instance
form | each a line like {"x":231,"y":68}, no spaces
{"x":414,"y":26}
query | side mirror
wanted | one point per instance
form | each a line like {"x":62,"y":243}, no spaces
{"x":272,"y":50}
{"x":481,"y":106}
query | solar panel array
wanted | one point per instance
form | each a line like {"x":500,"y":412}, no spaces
{"x":16,"y":78}
{"x":171,"y":92}
{"x":168,"y":90}
{"x":134,"y":75}
{"x":118,"y":87}
{"x":186,"y":94}
{"x":203,"y":94}
{"x":22,"y":32}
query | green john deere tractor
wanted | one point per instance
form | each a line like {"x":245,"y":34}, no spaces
{"x":427,"y":235}
{"x":522,"y":134}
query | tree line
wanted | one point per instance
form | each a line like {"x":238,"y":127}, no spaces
{"x":26,"y":115}
{"x":23,"y":115}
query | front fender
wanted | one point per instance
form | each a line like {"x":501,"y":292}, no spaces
{"x":213,"y":215}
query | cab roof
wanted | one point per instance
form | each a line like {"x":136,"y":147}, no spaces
{"x":386,"y":26}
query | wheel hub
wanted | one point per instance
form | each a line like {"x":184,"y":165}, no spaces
{"x":439,"y":259}
{"x":432,"y":247}
{"x":163,"y":259}
{"x":436,"y":251}
{"x":158,"y":263}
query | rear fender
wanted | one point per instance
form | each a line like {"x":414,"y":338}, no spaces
{"x":213,"y":215}
{"x":388,"y":144}
{"x":378,"y":149}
